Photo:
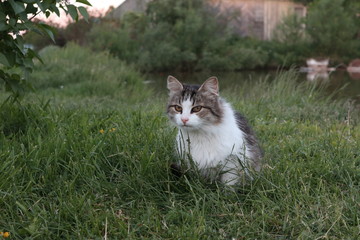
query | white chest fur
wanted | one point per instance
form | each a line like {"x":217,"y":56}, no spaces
{"x":213,"y":145}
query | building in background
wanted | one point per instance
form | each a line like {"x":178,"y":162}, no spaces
{"x":253,"y":18}
{"x":258,"y":18}
{"x":129,"y":6}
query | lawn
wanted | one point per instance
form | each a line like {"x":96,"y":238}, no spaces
{"x":87,"y":156}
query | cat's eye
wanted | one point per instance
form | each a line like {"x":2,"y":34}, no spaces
{"x":196,"y":109}
{"x":178,"y":108}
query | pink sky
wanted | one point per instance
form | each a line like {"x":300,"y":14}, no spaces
{"x":105,"y":4}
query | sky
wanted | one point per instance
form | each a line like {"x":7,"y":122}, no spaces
{"x":97,"y":6}
{"x":105,"y":4}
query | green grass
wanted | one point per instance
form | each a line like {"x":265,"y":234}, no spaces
{"x":88,"y":168}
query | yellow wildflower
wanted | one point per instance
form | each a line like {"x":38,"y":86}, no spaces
{"x":101,"y":131}
{"x":5,"y":234}
{"x":113,"y":129}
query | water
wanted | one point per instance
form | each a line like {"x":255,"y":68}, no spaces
{"x":338,"y":83}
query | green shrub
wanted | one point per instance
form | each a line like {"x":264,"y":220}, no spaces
{"x":176,"y":35}
{"x":169,"y":35}
{"x":160,"y":58}
{"x":247,"y":58}
{"x":333,"y":36}
{"x":291,"y":30}
{"x":226,"y":55}
{"x":109,"y":36}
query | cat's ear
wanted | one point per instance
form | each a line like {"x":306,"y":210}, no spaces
{"x":211,"y":85}
{"x":174,"y":85}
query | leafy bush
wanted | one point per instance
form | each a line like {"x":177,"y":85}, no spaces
{"x":224,"y":55}
{"x":16,"y":17}
{"x":170,"y":35}
{"x":247,"y":58}
{"x":286,"y":55}
{"x":193,"y":35}
{"x":109,"y":36}
{"x":73,"y":32}
{"x":333,"y":36}
{"x":291,"y":30}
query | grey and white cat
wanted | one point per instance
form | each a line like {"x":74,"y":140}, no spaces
{"x":218,"y":140}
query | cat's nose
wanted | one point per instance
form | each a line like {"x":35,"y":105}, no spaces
{"x":184,"y":120}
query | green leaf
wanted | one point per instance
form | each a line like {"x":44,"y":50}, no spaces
{"x":37,"y":30}
{"x":23,"y":16}
{"x":28,"y":63}
{"x":84,"y":2}
{"x":84,"y":13}
{"x":49,"y":31}
{"x":4,"y":61}
{"x":19,"y":42}
{"x":2,"y":16}
{"x":55,"y":10}
{"x":30,"y":25}
{"x":22,"y":26}
{"x":29,"y":1}
{"x":38,"y":2}
{"x":11,"y":56}
{"x":33,"y":54}
{"x":3,"y":26}
{"x":8,"y":59}
{"x":12,"y":22}
{"x":17,"y":7}
{"x":31,"y":9}
{"x":2,"y":74}
{"x":73,"y":12}
{"x":46,"y":4}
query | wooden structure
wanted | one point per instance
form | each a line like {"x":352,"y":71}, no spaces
{"x":254,"y":18}
{"x":258,"y":18}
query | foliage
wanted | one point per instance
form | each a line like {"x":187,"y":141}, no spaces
{"x":92,"y":171}
{"x":77,"y":31}
{"x":185,"y":35}
{"x":338,"y":36}
{"x":291,"y":30}
{"x":228,"y":55}
{"x":176,"y":35}
{"x":170,"y":35}
{"x":193,"y":36}
{"x":74,"y":32}
{"x":38,"y":41}
{"x":185,"y":28}
{"x":118,"y":39}
{"x":347,"y":2}
{"x":15,"y":17}
{"x":297,"y":39}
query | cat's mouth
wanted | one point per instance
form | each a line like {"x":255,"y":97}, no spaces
{"x":185,"y":125}
{"x":188,"y":126}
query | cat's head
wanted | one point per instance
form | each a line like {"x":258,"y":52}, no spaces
{"x":194,"y":107}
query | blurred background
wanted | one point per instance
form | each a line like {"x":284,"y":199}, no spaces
{"x":233,"y":39}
